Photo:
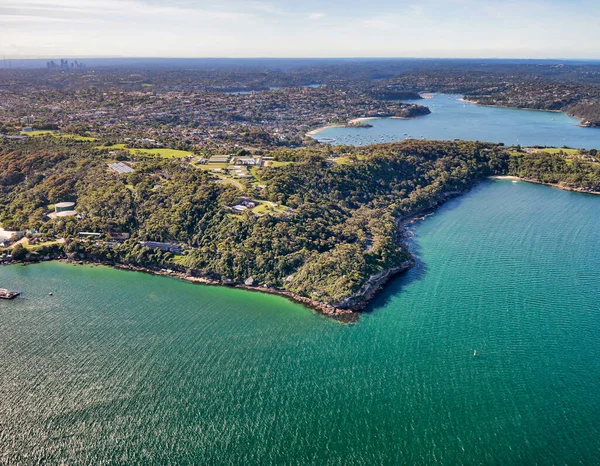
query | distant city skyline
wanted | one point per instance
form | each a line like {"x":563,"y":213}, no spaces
{"x":235,"y":28}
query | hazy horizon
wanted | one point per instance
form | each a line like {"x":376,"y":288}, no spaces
{"x":530,"y":29}
{"x":299,"y":58}
{"x":398,"y":64}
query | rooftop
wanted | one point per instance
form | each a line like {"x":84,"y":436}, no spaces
{"x":120,"y":167}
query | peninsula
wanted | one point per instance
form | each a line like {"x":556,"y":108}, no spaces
{"x":212,"y":176}
{"x":320,"y":226}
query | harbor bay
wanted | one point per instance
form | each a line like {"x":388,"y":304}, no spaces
{"x":452,"y":118}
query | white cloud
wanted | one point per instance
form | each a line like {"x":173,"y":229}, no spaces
{"x":315,"y":16}
{"x":131,"y":9}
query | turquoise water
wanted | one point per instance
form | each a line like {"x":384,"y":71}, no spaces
{"x":120,"y":367}
{"x":454,"y":119}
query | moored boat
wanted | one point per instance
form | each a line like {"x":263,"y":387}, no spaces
{"x":8,"y":294}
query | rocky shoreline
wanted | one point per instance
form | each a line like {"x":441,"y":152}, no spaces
{"x":346,"y":311}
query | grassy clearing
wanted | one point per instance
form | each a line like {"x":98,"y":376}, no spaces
{"x":163,"y":153}
{"x":261,"y":209}
{"x":113,"y":147}
{"x":341,"y":160}
{"x":38,"y":133}
{"x":556,"y":150}
{"x":254,"y":171}
{"x":77,"y":137}
{"x":345,"y":159}
{"x":35,"y":247}
{"x":55,"y":134}
{"x":269,"y":208}
{"x":275,"y":164}
{"x":38,"y":246}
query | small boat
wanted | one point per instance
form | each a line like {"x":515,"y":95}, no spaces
{"x":8,"y":294}
{"x":475,"y":353}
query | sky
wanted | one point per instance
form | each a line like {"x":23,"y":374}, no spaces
{"x":309,"y":28}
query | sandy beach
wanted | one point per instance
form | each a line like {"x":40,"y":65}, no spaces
{"x":361,"y":119}
{"x":553,"y":185}
{"x":318,"y":130}
{"x":505,"y":177}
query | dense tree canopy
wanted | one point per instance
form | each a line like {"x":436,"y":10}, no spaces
{"x":340,"y":225}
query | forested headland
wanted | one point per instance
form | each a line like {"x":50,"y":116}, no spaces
{"x":319,"y":222}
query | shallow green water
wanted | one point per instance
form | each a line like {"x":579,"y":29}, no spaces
{"x":121,"y":368}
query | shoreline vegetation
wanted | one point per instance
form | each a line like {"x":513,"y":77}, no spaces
{"x":322,"y":228}
{"x":582,"y":120}
{"x":582,"y":123}
{"x":358,"y":302}
{"x":334,"y":239}
{"x":343,"y":315}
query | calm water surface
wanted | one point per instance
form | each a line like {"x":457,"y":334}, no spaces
{"x":120,"y":367}
{"x":453,"y":119}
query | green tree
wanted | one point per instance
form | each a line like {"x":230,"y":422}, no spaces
{"x":19,"y":252}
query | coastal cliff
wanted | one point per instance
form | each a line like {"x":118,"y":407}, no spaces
{"x":358,"y":301}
